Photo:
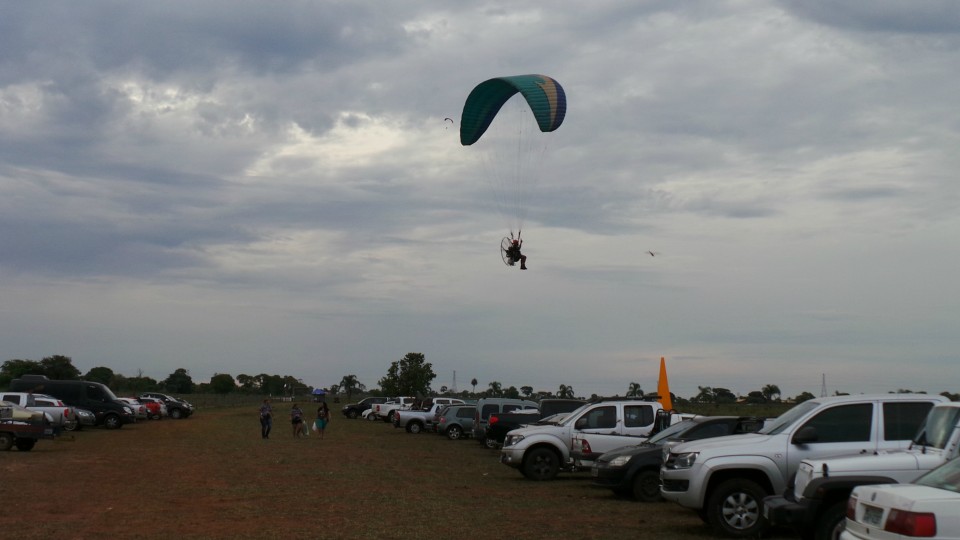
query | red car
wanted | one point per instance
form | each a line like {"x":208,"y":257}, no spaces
{"x":154,"y":408}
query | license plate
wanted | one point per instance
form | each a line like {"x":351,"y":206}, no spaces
{"x":594,"y":471}
{"x":872,"y":515}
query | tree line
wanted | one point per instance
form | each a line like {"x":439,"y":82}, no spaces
{"x":412,"y":375}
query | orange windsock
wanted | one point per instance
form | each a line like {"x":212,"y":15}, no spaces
{"x":663,"y":387}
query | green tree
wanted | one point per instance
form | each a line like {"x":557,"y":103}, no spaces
{"x":756,"y":397}
{"x":565,"y":392}
{"x":705,"y":395}
{"x":14,"y":369}
{"x":804,"y":396}
{"x":511,"y":392}
{"x":178,"y":382}
{"x":527,"y":391}
{"x":248,"y":383}
{"x":410,"y":376}
{"x":351,"y":385}
{"x":59,"y":367}
{"x":634,"y":390}
{"x":100,"y":374}
{"x":723,"y":395}
{"x":473,"y":383}
{"x":495,"y":389}
{"x":222,"y":383}
{"x":771,"y":392}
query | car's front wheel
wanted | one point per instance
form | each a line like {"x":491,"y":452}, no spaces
{"x":176,"y":414}
{"x":112,"y":421}
{"x":541,"y":464}
{"x":734,"y":508}
{"x":646,"y":486}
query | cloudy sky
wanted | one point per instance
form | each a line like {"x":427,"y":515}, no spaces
{"x":260,"y":187}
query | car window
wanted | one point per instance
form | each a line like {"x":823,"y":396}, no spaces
{"x":507,"y":407}
{"x":599,"y":418}
{"x":843,"y":423}
{"x":637,"y":415}
{"x":900,"y":420}
{"x":487,"y":410}
{"x":708,"y":430}
{"x":465,"y":412}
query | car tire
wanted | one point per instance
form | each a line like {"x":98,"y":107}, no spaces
{"x":490,"y":443}
{"x":454,"y":433}
{"x":112,"y":421}
{"x":6,"y":441}
{"x":735,"y":509}
{"x":541,"y":464}
{"x":832,"y":522}
{"x":646,"y":486}
{"x":176,"y":414}
{"x":25,"y":445}
{"x":352,"y":414}
{"x":390,"y":416}
{"x":71,"y":426}
{"x":414,"y":427}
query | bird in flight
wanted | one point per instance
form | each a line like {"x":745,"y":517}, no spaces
{"x":653,"y":253}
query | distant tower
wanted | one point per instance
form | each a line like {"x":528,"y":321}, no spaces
{"x":823,"y":385}
{"x":453,"y":388}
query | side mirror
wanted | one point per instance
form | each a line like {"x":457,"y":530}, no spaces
{"x":806,"y":434}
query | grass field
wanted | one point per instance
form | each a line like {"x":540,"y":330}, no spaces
{"x":212,"y":476}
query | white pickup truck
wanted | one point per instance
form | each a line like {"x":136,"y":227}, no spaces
{"x":59,"y":416}
{"x":541,"y":451}
{"x":816,"y":503}
{"x":587,"y":447}
{"x":725,"y":479}
{"x":417,"y":420}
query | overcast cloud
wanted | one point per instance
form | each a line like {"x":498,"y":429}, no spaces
{"x":253,"y":187}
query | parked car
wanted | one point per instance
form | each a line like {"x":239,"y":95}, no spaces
{"x":85,"y":418}
{"x":58,"y":415}
{"x":68,"y":414}
{"x":355,"y":410}
{"x":926,"y":508}
{"x":177,"y":408}
{"x":488,"y":406}
{"x":93,"y":396}
{"x":501,"y":423}
{"x":634,"y":471}
{"x":156,"y":409}
{"x":725,"y":479}
{"x":139,"y":409}
{"x":456,"y":421}
{"x":22,"y":427}
{"x":370,"y":414}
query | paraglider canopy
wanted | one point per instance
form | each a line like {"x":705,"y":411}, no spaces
{"x":547,"y":100}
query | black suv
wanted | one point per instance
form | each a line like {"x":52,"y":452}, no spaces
{"x":176,"y":408}
{"x":354,"y":410}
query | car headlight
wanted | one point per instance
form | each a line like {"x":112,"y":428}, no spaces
{"x":512,"y":440}
{"x":128,"y":410}
{"x":685,"y":460}
{"x":620,"y":461}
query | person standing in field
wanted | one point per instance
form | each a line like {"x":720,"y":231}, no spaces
{"x":266,"y":419}
{"x":323,"y":416}
{"x":296,"y":418}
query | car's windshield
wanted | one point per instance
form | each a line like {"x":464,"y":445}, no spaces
{"x":671,"y":431}
{"x":937,"y":427}
{"x":573,"y":414}
{"x":788,"y":418}
{"x":946,"y":476}
{"x":108,"y":393}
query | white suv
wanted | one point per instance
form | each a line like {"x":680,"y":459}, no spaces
{"x":726,"y":478}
